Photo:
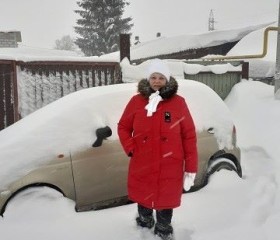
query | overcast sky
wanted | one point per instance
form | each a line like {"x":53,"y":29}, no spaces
{"x":41,"y":22}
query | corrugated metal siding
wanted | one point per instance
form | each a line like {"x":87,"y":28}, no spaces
{"x":220,"y":83}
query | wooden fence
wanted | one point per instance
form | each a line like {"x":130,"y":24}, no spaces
{"x":28,"y":86}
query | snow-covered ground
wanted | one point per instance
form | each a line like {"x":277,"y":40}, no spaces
{"x":227,"y":208}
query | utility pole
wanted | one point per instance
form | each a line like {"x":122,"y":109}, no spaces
{"x":277,"y":66}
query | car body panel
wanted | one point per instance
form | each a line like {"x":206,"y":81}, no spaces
{"x":100,"y":173}
{"x":57,"y":173}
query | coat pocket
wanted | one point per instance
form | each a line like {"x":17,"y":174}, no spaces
{"x":171,"y":146}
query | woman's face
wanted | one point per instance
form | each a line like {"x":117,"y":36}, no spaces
{"x":157,"y":81}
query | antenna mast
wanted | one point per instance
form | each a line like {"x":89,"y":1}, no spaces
{"x":211,"y":21}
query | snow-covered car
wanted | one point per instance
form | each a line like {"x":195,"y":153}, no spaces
{"x":72,"y":145}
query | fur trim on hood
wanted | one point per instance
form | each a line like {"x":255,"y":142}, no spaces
{"x":169,"y":90}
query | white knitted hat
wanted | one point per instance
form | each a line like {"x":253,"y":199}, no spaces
{"x":158,"y":66}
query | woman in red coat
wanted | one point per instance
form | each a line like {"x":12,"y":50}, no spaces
{"x":157,"y":131}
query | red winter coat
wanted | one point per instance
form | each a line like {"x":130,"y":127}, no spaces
{"x":162,"y":146}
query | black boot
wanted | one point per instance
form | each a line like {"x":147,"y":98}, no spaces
{"x":163,"y":227}
{"x":147,"y":222}
{"x":165,"y":232}
{"x":145,"y":218}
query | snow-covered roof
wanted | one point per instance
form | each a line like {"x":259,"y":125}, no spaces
{"x":26,"y":54}
{"x":250,"y":42}
{"x":159,"y":46}
{"x":168,"y":45}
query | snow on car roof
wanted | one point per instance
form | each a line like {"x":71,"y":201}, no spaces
{"x":69,"y":124}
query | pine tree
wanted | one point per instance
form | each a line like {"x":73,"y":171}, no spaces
{"x":100,"y":24}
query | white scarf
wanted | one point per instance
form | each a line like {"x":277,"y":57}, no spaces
{"x":154,"y":100}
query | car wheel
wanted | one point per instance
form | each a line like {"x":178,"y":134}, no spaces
{"x":220,"y":163}
{"x":215,"y":165}
{"x":30,"y":198}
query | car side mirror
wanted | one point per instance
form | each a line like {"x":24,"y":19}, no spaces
{"x":101,"y":134}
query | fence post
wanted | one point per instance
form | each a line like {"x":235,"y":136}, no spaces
{"x":9,"y":94}
{"x":245,"y":70}
{"x":124,"y":46}
{"x":2,"y":107}
{"x":15,"y":92}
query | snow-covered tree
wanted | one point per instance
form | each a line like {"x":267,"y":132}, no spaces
{"x":100,"y":24}
{"x":65,"y":43}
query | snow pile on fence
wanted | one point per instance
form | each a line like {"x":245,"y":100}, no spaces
{"x":133,"y":73}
